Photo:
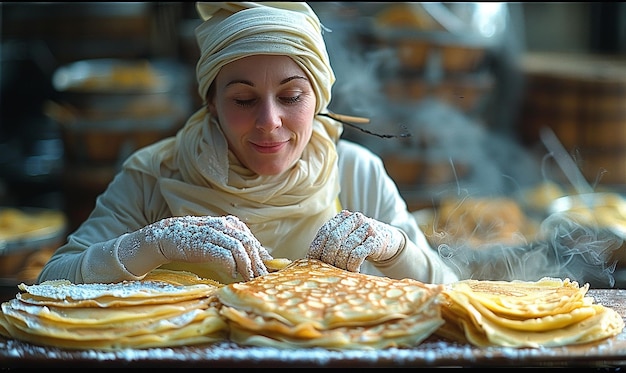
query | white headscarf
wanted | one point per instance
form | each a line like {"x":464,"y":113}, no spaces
{"x":197,"y":173}
{"x":235,"y":30}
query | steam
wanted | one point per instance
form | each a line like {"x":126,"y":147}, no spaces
{"x":483,"y":164}
{"x":563,"y":248}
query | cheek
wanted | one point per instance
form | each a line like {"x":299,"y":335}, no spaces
{"x":234,"y":126}
{"x":304,"y":118}
{"x":306,"y":131}
{"x":233,"y":122}
{"x":299,"y":122}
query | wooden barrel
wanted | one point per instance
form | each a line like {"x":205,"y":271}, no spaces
{"x":582,"y":98}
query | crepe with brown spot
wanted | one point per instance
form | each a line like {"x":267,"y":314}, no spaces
{"x":313,"y":304}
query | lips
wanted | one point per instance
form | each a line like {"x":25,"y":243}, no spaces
{"x":268,"y":148}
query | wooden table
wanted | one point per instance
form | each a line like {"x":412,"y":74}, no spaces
{"x":434,"y":352}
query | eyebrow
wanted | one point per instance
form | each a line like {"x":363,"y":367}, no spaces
{"x":293,"y":78}
{"x":247,"y":82}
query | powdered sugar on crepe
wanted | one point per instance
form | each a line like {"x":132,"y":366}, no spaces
{"x":60,"y":291}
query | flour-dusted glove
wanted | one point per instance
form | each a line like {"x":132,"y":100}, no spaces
{"x":225,"y":240}
{"x":349,"y":238}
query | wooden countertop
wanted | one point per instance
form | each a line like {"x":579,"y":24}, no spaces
{"x":433,"y":352}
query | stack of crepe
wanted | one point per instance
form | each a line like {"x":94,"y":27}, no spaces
{"x":312,"y":304}
{"x":308,"y":303}
{"x":165,"y":309}
{"x":549,"y":312}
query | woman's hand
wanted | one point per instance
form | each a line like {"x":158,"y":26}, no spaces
{"x":225,"y":240}
{"x":349,"y":238}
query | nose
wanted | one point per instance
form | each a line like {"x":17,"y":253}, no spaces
{"x":269,"y":116}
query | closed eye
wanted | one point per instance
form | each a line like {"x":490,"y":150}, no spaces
{"x":291,"y":100}
{"x":245,"y":103}
{"x":287,"y":100}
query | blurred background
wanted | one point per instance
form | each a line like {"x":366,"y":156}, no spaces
{"x":484,"y":99}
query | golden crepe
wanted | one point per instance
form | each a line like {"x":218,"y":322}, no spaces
{"x":63,"y":293}
{"x":17,"y":224}
{"x":313,"y":304}
{"x":179,"y":278}
{"x":168,"y":309}
{"x":546,"y":313}
{"x":479,"y":223}
{"x":276,"y":264}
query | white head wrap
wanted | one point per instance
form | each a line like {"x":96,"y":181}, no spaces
{"x":235,"y":30}
{"x":198,"y":175}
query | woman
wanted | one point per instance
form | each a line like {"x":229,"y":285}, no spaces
{"x":259,"y":172}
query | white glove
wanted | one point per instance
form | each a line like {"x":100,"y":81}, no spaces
{"x":349,"y":238}
{"x":225,"y":240}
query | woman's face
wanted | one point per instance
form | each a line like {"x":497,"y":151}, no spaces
{"x":265,"y":105}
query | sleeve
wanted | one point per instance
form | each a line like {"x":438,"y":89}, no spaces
{"x":130,"y":202}
{"x":366,"y":187}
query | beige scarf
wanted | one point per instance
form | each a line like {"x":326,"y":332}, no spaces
{"x":198,"y":175}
